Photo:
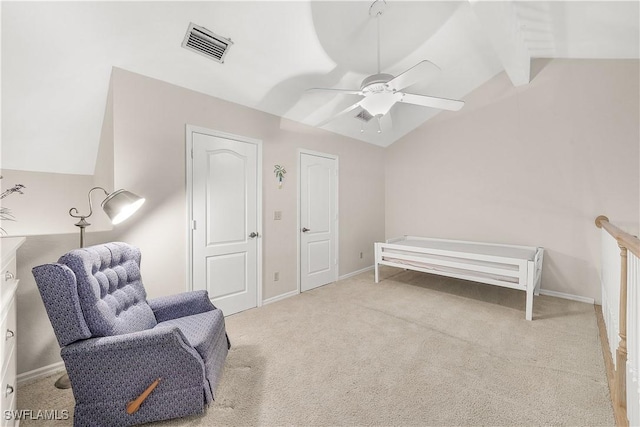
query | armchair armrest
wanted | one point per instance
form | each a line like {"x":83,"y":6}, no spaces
{"x":180,"y":305}
{"x":118,"y":368}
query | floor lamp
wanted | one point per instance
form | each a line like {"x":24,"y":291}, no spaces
{"x":118,"y":206}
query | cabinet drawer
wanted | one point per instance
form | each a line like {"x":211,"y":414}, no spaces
{"x":8,"y":389}
{"x":7,"y":277}
{"x":8,"y":335}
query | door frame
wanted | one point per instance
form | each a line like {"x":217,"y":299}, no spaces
{"x":298,"y":225}
{"x":189,"y":130}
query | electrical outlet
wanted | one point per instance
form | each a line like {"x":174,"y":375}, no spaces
{"x":277,"y":215}
{"x":276,"y":276}
{"x":360,"y":255}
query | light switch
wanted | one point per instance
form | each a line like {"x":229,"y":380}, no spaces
{"x":277,"y":215}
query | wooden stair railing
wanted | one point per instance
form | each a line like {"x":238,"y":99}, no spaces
{"x":626,"y":242}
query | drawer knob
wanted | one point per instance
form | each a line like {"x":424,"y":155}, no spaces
{"x":10,"y":334}
{"x":8,"y":276}
{"x":8,"y":391}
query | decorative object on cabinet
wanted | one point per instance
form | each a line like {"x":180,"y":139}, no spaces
{"x":8,"y":349}
{"x":279,"y":171}
{"x":118,"y":206}
{"x":5,"y":213}
{"x":117,"y":345}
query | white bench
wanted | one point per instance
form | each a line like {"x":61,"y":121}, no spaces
{"x":509,"y":266}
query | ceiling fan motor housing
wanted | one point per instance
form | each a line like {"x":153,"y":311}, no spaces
{"x":376,"y":83}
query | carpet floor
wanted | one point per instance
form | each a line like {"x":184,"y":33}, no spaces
{"x":415,"y":349}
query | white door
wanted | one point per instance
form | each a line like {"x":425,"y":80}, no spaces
{"x":226,"y":225}
{"x":318,"y":220}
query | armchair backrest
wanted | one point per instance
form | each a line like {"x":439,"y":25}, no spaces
{"x":101,"y":285}
{"x":58,"y":288}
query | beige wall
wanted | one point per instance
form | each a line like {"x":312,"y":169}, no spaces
{"x":149,"y":156}
{"x":532,"y":165}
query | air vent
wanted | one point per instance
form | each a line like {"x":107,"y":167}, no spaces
{"x":364,"y":116}
{"x":204,"y":42}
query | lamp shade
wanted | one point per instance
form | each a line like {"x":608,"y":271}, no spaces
{"x":120,"y":205}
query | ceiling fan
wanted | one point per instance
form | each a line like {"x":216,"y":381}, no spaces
{"x":382,"y":91}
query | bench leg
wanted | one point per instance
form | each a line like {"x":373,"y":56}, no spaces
{"x":376,"y":272}
{"x":529,"y":313}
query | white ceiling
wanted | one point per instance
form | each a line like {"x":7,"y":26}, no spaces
{"x":57,"y":59}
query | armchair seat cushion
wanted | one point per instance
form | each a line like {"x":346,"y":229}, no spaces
{"x":201,"y":330}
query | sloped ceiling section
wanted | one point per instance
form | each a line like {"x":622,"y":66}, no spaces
{"x":57,"y":58}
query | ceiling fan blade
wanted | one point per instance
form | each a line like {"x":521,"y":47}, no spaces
{"x":420,"y":71}
{"x":335,"y":116}
{"x":342,"y":91}
{"x":432,"y":101}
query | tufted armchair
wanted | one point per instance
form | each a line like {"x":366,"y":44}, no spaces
{"x":115,"y":342}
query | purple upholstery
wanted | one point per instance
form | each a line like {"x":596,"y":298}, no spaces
{"x":200,"y":331}
{"x":184,"y":304}
{"x":113,"y":346}
{"x":58,"y":295}
{"x":110,"y":289}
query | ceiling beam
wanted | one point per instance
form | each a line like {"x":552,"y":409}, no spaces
{"x":500,"y":23}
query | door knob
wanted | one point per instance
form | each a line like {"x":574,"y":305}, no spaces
{"x":305,"y":229}
{"x":253,"y":234}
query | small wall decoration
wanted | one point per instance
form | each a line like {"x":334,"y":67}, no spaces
{"x":279,"y":171}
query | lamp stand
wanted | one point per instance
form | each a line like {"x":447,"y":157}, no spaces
{"x":82,"y":224}
{"x":63,"y":382}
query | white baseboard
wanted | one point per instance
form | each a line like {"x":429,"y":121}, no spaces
{"x":355,"y":273}
{"x":567,"y":296}
{"x":36,"y":374}
{"x":295,"y":292}
{"x":280,"y":297}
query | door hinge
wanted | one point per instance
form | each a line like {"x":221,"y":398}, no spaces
{"x":193,"y":224}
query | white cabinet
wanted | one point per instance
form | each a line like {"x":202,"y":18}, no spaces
{"x":8,"y":331}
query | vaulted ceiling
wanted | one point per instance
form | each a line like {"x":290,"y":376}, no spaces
{"x":57,"y":59}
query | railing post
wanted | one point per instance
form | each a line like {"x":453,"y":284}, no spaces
{"x":621,"y":352}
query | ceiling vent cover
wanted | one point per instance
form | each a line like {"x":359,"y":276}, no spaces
{"x":364,"y":116}
{"x":204,"y":42}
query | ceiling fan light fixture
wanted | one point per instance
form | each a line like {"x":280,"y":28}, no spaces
{"x":380,"y":103}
